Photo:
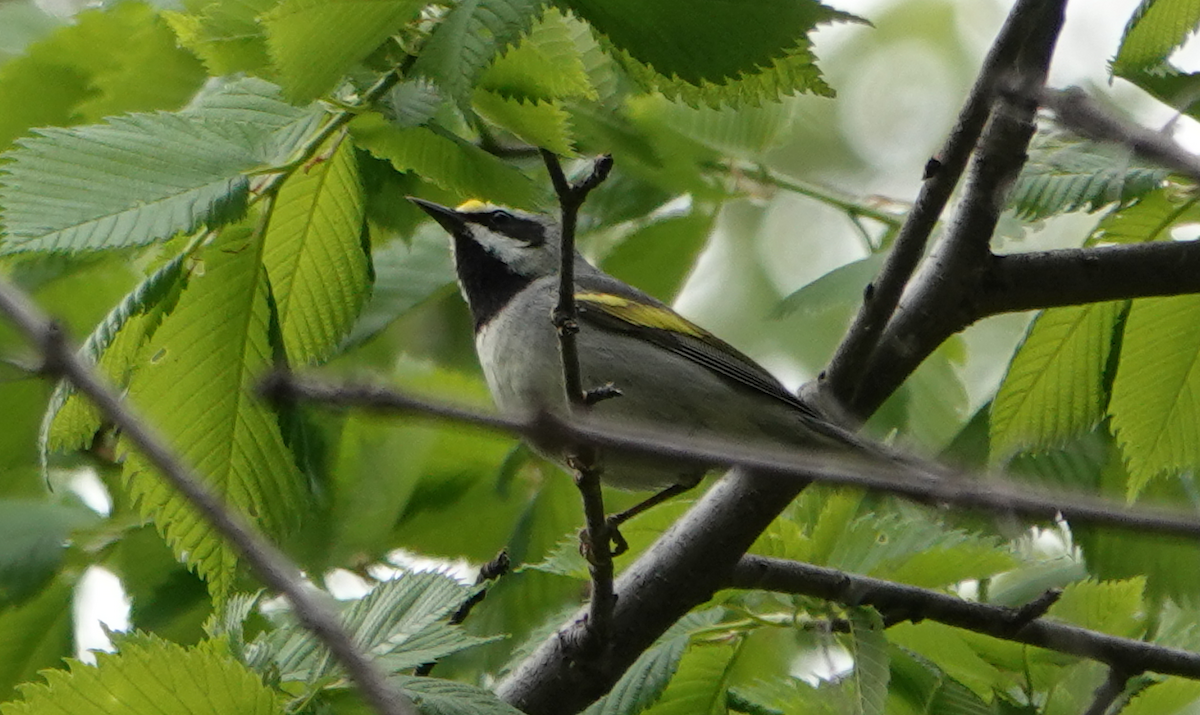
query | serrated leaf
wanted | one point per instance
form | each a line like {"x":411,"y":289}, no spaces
{"x":546,"y":65}
{"x":197,"y":386}
{"x":316,"y":258}
{"x":382,"y":623}
{"x":745,"y":131}
{"x":1113,"y":607}
{"x":1065,"y":173}
{"x":796,"y":72}
{"x":413,"y":102}
{"x":131,"y":181}
{"x":151,"y":677}
{"x":227,"y":36}
{"x":705,"y":40}
{"x":648,"y":677}
{"x":1055,"y":386}
{"x":435,"y":642}
{"x":448,"y":162}
{"x":869,"y":646}
{"x":33,"y":536}
{"x":71,"y":421}
{"x":540,"y":124}
{"x":433,"y":696}
{"x":1154,"y":407}
{"x":1148,"y":218}
{"x":700,"y":682}
{"x":313,"y":43}
{"x":1154,"y":31}
{"x":469,"y":37}
{"x":1173,"y":696}
{"x":406,"y":274}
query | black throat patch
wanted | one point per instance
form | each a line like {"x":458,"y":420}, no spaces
{"x":488,"y":282}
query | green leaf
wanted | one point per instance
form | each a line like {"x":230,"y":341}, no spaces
{"x":1065,"y":173}
{"x":151,"y":676}
{"x":648,"y":677}
{"x":131,"y":181}
{"x":121,"y":59}
{"x":1154,"y":408}
{"x":37,"y":635}
{"x":382,"y":623}
{"x":1113,"y":607}
{"x":446,"y":161}
{"x":541,"y":124}
{"x":469,"y":37}
{"x":658,"y":257}
{"x":546,"y":65}
{"x":413,"y":102}
{"x":700,"y":682}
{"x":315,"y":257}
{"x":71,"y":421}
{"x":313,"y":43}
{"x":406,"y":274}
{"x":869,"y":646}
{"x":1055,"y":387}
{"x":433,"y":696}
{"x":1148,"y":218}
{"x":942,"y":646}
{"x":197,"y":386}
{"x":1155,"y":30}
{"x":33,"y":536}
{"x":227,"y":36}
{"x":1172,"y":696}
{"x":941,"y":566}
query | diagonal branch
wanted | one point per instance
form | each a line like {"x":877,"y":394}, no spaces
{"x":943,"y":173}
{"x":940,"y":293}
{"x":268,"y":562}
{"x":1124,"y":655}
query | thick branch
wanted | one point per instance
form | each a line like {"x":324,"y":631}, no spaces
{"x":882,"y":297}
{"x":909,"y":602}
{"x":267,"y":562}
{"x":1046,"y":279}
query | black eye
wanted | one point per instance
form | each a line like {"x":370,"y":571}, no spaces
{"x":501,"y":219}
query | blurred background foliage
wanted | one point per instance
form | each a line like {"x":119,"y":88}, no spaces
{"x":759,"y":204}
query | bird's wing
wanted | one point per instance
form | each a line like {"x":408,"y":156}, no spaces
{"x":671,"y":331}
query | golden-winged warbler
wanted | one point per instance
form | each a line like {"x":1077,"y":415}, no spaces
{"x":671,"y":374}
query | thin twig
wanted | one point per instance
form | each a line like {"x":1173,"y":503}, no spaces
{"x":490,"y":571}
{"x":267,"y":562}
{"x":942,"y":174}
{"x":1125,"y":654}
{"x":772,"y":462}
{"x":583,"y":460}
{"x":1088,"y":118}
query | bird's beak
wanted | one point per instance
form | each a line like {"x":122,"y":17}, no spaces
{"x":450,"y":219}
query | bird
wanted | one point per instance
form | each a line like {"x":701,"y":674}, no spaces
{"x":666,"y":371}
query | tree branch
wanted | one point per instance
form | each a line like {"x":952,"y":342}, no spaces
{"x":267,"y":562}
{"x":937,"y":300}
{"x":783,"y":468}
{"x":598,"y":535}
{"x":883,"y":295}
{"x":1124,"y":655}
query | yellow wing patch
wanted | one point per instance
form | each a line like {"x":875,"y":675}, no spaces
{"x":641,"y":315}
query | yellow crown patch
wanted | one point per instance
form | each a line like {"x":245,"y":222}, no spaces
{"x":472,"y":206}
